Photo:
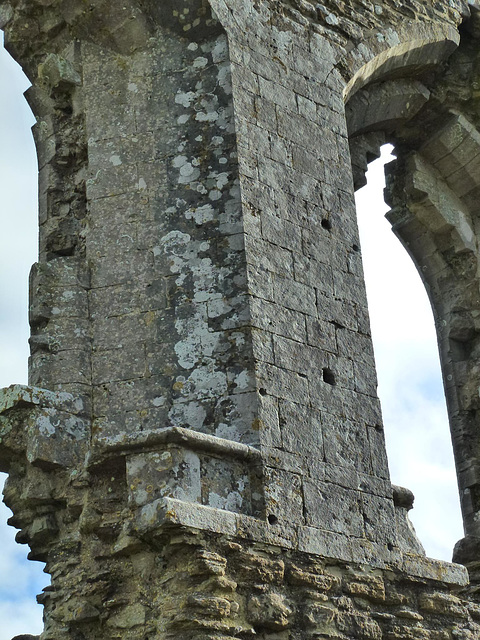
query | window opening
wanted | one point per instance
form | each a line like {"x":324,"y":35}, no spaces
{"x":21,"y":580}
{"x":410,"y":383}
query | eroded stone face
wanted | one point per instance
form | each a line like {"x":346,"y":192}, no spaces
{"x":207,"y":460}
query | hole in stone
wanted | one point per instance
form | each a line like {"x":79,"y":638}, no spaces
{"x":355,"y":247}
{"x":328,"y":376}
{"x":272,"y":519}
{"x":409,"y":376}
{"x":326,"y":224}
{"x":389,"y":546}
{"x":262,"y":392}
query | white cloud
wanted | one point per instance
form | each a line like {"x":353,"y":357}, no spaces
{"x":19,"y":617}
{"x":18,"y":219}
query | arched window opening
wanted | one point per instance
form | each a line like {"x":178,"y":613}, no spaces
{"x":21,"y":580}
{"x":410,"y":383}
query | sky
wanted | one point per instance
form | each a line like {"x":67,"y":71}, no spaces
{"x":20,"y":580}
{"x":410,"y":387}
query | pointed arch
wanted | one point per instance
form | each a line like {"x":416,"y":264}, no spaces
{"x":433,"y":188}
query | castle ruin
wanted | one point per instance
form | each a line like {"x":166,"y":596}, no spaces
{"x":199,"y":454}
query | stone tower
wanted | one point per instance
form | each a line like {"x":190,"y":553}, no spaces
{"x":200,"y":452}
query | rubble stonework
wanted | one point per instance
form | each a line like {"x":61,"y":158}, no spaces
{"x":199,"y":453}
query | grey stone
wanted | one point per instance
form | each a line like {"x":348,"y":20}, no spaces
{"x":207,"y":423}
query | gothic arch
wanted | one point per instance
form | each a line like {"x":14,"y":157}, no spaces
{"x":433,"y":189}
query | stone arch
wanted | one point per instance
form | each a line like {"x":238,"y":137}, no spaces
{"x":433,"y":188}
{"x":410,"y":58}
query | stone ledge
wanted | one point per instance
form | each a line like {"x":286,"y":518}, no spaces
{"x":164,"y":511}
{"x":45,"y":426}
{"x":167,"y":511}
{"x":432,"y":569}
{"x":18,"y":395}
{"x":194,"y":440}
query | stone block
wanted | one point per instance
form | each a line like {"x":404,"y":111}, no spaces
{"x":258,"y":569}
{"x":269,"y":257}
{"x":111,"y":365}
{"x":269,"y":611}
{"x":277,"y":458}
{"x":113,"y":269}
{"x":260,"y":283}
{"x":278,"y":320}
{"x":362,"y":408}
{"x":333,"y":508}
{"x":437,"y":570}
{"x":376,"y":437}
{"x":302,"y":430}
{"x":283,"y":497}
{"x":313,"y":273}
{"x":263,"y":346}
{"x":324,"y":543}
{"x":171,"y":473}
{"x":153,"y":516}
{"x":296,"y":356}
{"x":282,"y":384}
{"x":321,"y":334}
{"x":244,"y":77}
{"x":379,"y":517}
{"x":320,"y":244}
{"x":294,"y":295}
{"x":347,"y":444}
{"x":69,"y":370}
{"x":358,"y":625}
{"x":226,"y":484}
{"x":281,"y":534}
{"x":281,"y":232}
{"x":128,"y":617}
{"x":347,"y":286}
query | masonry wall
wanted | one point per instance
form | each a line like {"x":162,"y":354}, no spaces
{"x":201,"y":448}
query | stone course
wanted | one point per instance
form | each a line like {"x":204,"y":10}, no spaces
{"x":200,"y":450}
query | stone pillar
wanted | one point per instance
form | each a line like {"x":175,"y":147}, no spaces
{"x":168,"y":301}
{"x":321,"y":426}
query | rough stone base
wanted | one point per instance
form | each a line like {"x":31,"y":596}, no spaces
{"x":182,"y":583}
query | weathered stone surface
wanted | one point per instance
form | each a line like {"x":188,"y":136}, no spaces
{"x":202,"y":453}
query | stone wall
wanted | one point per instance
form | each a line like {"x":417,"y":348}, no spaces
{"x":200,"y":453}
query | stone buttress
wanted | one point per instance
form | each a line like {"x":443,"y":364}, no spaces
{"x":200,"y":452}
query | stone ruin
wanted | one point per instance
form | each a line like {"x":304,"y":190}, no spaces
{"x":200,"y":454}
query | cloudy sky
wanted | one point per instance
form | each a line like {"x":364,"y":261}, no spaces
{"x":20,"y":580}
{"x":410,"y":385}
